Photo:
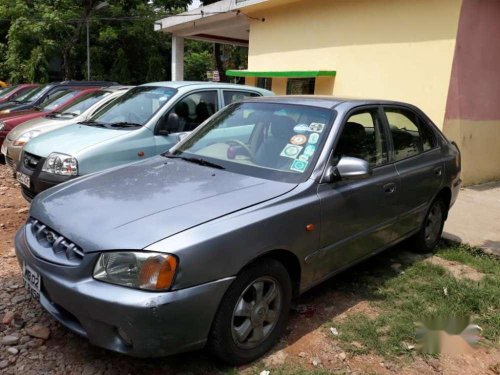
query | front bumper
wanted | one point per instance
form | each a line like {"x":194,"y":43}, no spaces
{"x":157,"y":324}
{"x":39,"y":180}
{"x":11,"y":154}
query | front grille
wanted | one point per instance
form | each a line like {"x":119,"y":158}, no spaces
{"x":27,"y":193}
{"x":30,"y":161}
{"x":63,"y":250}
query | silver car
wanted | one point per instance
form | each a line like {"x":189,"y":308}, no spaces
{"x":209,"y":243}
{"x":78,"y":111}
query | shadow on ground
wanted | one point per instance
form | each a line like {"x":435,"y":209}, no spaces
{"x":315,"y":308}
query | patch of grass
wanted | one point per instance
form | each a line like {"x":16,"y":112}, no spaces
{"x":422,"y":290}
{"x":470,"y":256}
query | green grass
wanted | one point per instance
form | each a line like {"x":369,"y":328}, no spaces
{"x":418,"y":292}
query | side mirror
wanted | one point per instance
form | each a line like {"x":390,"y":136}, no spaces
{"x":348,"y":168}
{"x":169,"y":124}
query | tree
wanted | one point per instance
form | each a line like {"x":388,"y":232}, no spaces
{"x":52,"y":33}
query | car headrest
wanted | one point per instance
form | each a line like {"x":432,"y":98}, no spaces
{"x":182,"y":109}
{"x":282,"y":126}
{"x":353,"y":129}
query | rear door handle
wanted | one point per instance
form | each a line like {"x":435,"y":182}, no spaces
{"x":438,"y":171}
{"x":389,"y":188}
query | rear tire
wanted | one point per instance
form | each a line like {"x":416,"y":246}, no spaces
{"x":427,"y":238}
{"x":253,"y":313}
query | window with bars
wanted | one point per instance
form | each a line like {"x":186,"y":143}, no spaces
{"x":300,"y":86}
{"x":265,"y":83}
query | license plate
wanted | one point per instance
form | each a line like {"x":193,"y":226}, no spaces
{"x":4,"y":149}
{"x":23,"y":179}
{"x":32,"y":281}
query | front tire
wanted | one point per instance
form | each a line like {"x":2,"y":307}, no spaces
{"x":426,"y":240}
{"x":253,"y":313}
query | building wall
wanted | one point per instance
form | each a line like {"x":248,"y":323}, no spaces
{"x":387,"y":49}
{"x":473,"y":110}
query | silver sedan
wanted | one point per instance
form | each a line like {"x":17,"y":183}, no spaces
{"x":209,"y":243}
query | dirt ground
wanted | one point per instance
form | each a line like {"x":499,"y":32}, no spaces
{"x":308,"y":344}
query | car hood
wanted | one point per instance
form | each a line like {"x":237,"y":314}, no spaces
{"x":136,"y":205}
{"x":70,"y":139}
{"x":11,"y":115}
{"x":44,"y":125}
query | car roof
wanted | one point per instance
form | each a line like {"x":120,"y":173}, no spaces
{"x":200,"y":84}
{"x":321,"y":101}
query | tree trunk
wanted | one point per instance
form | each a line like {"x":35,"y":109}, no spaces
{"x":219,"y":64}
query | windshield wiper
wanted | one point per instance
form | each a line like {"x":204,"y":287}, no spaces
{"x":125,"y":124}
{"x":198,"y":161}
{"x":54,"y":114}
{"x":92,"y":123}
{"x":68,"y":114}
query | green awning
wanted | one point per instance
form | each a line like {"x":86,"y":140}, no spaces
{"x":282,"y":74}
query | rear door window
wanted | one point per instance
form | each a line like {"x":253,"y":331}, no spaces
{"x":410,"y":136}
{"x":236,"y":96}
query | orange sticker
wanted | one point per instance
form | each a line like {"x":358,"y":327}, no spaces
{"x":298,"y":139}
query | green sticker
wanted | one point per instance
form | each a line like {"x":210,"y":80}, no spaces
{"x":313,"y":138}
{"x":299,"y":166}
{"x":291,"y":151}
{"x":309,"y":150}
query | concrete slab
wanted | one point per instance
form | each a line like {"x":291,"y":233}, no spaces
{"x":475,"y":217}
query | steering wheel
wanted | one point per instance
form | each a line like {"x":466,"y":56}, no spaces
{"x":242,"y":145}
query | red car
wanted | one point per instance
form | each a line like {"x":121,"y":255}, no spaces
{"x":13,"y":92}
{"x":8,"y":121}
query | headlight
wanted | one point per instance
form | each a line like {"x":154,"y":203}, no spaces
{"x":61,"y":164}
{"x":140,"y":270}
{"x":25,"y":137}
{"x":2,"y":125}
{"x":5,"y":111}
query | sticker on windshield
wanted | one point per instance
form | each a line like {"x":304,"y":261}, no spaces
{"x":303,"y":158}
{"x":299,"y":166}
{"x":313,"y":138}
{"x":291,"y":151}
{"x":298,"y":139}
{"x":301,"y":128}
{"x":309,"y":150}
{"x":316,"y":127}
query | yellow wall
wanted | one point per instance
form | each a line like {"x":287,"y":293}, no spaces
{"x":386,"y":49}
{"x":479,"y":145}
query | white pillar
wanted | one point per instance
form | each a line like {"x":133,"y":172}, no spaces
{"x":177,"y":58}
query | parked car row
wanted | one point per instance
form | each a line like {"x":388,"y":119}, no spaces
{"x":198,"y":211}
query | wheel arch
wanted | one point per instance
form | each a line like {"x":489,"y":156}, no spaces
{"x":445,"y":195}
{"x":289,"y":260}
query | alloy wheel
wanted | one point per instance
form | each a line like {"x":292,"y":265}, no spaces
{"x":256,"y":312}
{"x":433,"y":224}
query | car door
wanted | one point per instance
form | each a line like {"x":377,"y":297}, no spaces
{"x":192,"y":110}
{"x":357,"y":216}
{"x":418,"y":160}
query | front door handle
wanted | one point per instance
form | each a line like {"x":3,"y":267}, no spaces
{"x":438,"y":171}
{"x":389,"y":188}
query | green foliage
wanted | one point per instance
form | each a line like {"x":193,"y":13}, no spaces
{"x":42,"y":40}
{"x":198,"y":60}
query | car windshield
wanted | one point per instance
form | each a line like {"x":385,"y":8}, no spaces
{"x":6,"y":91}
{"x":58,"y":99}
{"x":33,"y":95}
{"x":81,"y":104}
{"x":269,"y":140}
{"x":134,"y":108}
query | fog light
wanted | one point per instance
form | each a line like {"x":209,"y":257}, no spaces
{"x":127,"y":340}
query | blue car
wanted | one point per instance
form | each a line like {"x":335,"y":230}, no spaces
{"x":146,"y":121}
